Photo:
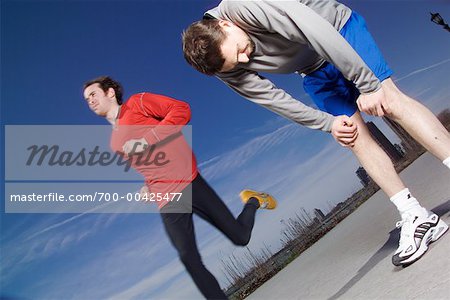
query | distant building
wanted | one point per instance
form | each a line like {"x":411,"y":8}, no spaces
{"x":384,"y":143}
{"x":444,"y":118}
{"x":363,"y":176}
{"x":408,"y":143}
{"x":319,"y":215}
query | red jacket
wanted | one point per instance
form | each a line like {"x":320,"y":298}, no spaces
{"x":169,"y":165}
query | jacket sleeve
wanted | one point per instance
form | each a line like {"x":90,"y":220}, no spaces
{"x":297,"y":22}
{"x":262,"y":91}
{"x":173,"y":115}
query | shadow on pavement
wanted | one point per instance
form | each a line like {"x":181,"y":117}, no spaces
{"x":387,"y":249}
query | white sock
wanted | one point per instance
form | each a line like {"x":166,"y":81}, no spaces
{"x":406,"y":203}
{"x":447,"y":162}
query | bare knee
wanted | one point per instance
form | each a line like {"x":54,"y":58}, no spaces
{"x":396,"y":101}
{"x":364,"y":139}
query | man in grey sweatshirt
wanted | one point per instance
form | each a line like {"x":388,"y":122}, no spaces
{"x":344,"y":73}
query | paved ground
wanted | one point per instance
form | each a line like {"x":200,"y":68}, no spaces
{"x":353,"y":261}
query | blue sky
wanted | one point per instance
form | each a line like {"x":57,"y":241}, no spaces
{"x":49,"y":48}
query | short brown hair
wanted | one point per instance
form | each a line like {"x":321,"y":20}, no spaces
{"x":201,"y":46}
{"x":106,"y":82}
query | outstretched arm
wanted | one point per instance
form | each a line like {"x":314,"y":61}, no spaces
{"x":262,"y":91}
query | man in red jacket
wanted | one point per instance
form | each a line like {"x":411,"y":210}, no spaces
{"x":149,"y":122}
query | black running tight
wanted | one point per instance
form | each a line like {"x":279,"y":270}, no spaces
{"x":180,"y":229}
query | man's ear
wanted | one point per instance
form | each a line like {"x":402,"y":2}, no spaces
{"x":111,"y":93}
{"x":225,"y":24}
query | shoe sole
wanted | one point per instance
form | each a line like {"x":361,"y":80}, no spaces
{"x":431,"y":236}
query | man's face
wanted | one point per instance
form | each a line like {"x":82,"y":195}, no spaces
{"x":99,"y":102}
{"x":237,"y":46}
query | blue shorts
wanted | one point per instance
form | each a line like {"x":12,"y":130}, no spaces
{"x":328,"y":87}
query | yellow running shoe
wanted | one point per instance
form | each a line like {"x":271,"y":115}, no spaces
{"x":265,"y":200}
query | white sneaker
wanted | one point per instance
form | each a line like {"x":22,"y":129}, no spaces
{"x":416,"y":234}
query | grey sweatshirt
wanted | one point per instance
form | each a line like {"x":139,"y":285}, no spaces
{"x":292,"y":36}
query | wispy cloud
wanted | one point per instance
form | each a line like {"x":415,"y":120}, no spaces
{"x":429,"y":85}
{"x":418,"y":71}
{"x":222,"y":165}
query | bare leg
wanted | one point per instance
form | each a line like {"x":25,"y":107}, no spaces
{"x":422,"y":125}
{"x":417,"y":120}
{"x":374,"y":160}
